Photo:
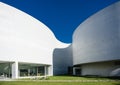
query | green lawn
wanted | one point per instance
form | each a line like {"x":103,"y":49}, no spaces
{"x":66,"y":77}
{"x":63,"y":77}
{"x":64,"y":80}
{"x":57,"y":83}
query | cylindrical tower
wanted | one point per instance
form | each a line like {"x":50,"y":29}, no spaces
{"x":97,"y":39}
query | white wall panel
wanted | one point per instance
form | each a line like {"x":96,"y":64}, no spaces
{"x":98,"y":37}
{"x":24,"y":38}
{"x":62,"y":59}
{"x":99,"y":69}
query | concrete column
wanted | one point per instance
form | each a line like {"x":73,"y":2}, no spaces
{"x":37,"y":71}
{"x":28,"y":72}
{"x":15,"y":70}
{"x":74,"y":71}
{"x":9,"y":70}
{"x":45,"y":67}
{"x":50,"y":70}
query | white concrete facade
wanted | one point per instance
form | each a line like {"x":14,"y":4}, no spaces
{"x":97,"y":39}
{"x":99,"y":68}
{"x":25,"y":51}
{"x":24,"y":39}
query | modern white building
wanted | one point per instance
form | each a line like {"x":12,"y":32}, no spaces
{"x":29,"y":48}
{"x":26,"y":44}
{"x":96,"y":43}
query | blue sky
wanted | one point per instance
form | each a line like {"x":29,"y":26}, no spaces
{"x":61,"y":16}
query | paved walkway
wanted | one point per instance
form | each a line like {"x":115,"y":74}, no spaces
{"x":63,"y":80}
{"x":6,"y":79}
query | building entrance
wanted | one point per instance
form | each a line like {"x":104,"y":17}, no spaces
{"x":32,"y":70}
{"x":77,"y":71}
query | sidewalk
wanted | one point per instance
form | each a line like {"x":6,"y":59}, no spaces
{"x":63,"y":80}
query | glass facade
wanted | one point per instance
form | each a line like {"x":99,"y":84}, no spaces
{"x":5,"y":70}
{"x":24,"y":70}
{"x":31,"y":70}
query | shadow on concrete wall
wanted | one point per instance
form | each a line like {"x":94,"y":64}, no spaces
{"x":62,"y":59}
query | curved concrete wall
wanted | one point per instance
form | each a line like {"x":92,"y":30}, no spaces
{"x":62,"y":59}
{"x":25,"y":39}
{"x":98,"y":38}
{"x":101,"y":69}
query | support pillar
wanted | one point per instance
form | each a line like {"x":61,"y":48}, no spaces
{"x":50,"y":70}
{"x":45,"y":67}
{"x":15,"y":70}
{"x":74,"y":71}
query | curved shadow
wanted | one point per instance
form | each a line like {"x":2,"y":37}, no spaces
{"x":62,"y":59}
